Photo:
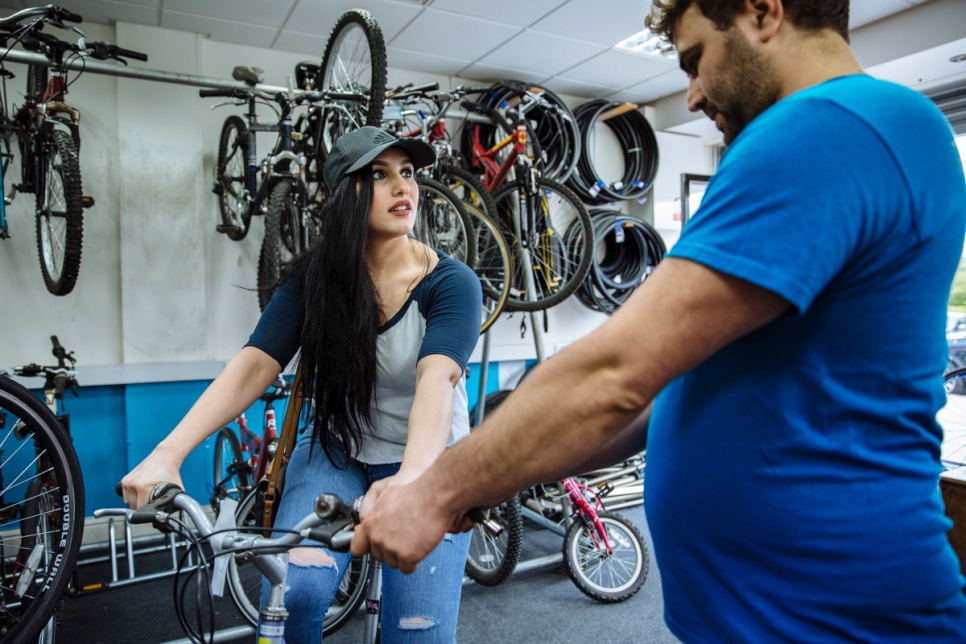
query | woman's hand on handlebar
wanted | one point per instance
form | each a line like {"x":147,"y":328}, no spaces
{"x":136,"y":487}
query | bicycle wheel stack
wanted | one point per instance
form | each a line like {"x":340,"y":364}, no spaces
{"x":640,"y":154}
{"x":628,"y":250}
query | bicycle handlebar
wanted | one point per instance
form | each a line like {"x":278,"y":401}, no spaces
{"x":50,"y":11}
{"x":105,"y":50}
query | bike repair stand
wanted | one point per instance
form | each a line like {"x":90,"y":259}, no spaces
{"x":529,"y":513}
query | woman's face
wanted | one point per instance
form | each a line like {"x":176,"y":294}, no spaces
{"x":395,"y":195}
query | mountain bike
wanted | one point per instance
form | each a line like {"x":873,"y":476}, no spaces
{"x":283,"y":185}
{"x":330,"y":523}
{"x":42,"y":494}
{"x":48,"y":138}
{"x":234,"y":472}
{"x":532,"y":212}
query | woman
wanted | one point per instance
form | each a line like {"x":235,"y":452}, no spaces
{"x":385,"y":326}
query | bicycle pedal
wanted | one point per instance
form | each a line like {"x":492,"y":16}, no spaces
{"x":227,"y":228}
{"x":87,"y":202}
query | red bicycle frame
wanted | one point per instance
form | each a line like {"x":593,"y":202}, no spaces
{"x":494,"y":173}
{"x":258,"y":446}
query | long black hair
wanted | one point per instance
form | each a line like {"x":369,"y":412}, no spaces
{"x":340,"y":321}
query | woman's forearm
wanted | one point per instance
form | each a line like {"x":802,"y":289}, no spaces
{"x":431,"y":416}
{"x":241,"y":382}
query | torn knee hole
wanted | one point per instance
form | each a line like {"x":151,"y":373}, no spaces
{"x":416,"y":623}
{"x":310,"y":557}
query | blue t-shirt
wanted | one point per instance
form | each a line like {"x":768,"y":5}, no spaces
{"x":441,"y":316}
{"x":792,"y":481}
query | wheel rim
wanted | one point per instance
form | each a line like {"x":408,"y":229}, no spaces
{"x":439,"y":224}
{"x":37,"y":454}
{"x":350,"y":68}
{"x":53,"y":228}
{"x":486,"y":551}
{"x":605,"y":573}
{"x":553,"y":267}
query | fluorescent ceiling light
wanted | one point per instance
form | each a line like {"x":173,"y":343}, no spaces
{"x":645,"y":42}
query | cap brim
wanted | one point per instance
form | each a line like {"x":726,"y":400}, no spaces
{"x":421,"y":153}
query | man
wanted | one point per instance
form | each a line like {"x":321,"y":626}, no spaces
{"x":794,"y":334}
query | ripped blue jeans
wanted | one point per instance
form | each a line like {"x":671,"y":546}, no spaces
{"x":421,"y":607}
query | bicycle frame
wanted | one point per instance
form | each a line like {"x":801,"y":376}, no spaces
{"x":258,"y":446}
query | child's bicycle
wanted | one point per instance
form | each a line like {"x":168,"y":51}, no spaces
{"x":330,"y":523}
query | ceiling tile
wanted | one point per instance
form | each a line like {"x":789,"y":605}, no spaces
{"x":301,"y":43}
{"x":587,"y":20}
{"x":513,"y":12}
{"x":319,"y":17}
{"x":670,"y":82}
{"x":619,"y":68}
{"x":403,"y":59}
{"x":576,"y":88}
{"x":862,"y":12}
{"x":542,"y":52}
{"x":226,"y":31}
{"x":439,"y":31}
{"x":255,"y":12}
{"x":492,"y":74}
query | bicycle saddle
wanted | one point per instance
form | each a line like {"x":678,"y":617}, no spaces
{"x":249,"y":75}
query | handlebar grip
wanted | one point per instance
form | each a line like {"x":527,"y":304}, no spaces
{"x":208,"y":93}
{"x":69,"y":16}
{"x":129,"y":53}
{"x":58,"y":350}
{"x":492,"y":527}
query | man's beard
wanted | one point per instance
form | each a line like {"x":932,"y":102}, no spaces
{"x":746,"y":86}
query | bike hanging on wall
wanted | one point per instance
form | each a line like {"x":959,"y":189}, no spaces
{"x":48,"y":138}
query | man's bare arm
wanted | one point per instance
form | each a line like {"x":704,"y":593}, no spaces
{"x":575,"y":405}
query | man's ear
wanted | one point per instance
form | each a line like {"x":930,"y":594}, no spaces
{"x":767,"y":17}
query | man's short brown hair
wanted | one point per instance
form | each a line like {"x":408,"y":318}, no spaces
{"x":806,"y":14}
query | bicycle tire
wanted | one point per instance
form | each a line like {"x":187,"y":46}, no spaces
{"x":607,"y":578}
{"x":230,"y":469}
{"x":60,"y":215}
{"x":35,"y":526}
{"x":467,"y":186}
{"x":557,"y":272}
{"x":282,"y":241}
{"x":354,"y":61}
{"x":492,"y":265}
{"x":491,"y":560}
{"x":231,"y":183}
{"x":442,"y":222}
{"x":32,"y":432}
{"x":245,"y":581}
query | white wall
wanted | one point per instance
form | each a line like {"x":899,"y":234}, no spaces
{"x":157,"y":283}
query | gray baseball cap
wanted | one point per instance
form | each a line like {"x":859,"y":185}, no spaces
{"x":357,"y":149}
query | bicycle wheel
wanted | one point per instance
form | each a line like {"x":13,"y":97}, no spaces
{"x":492,"y":265}
{"x":442,"y":222}
{"x":36,"y":450}
{"x":467,"y":187}
{"x":230,"y":178}
{"x":283,"y":238}
{"x":35,"y":528}
{"x":608,"y":578}
{"x":354,"y":62}
{"x":548,"y":214}
{"x":60,"y":218}
{"x":491,"y":560}
{"x":245,"y":582}
{"x":230,"y":468}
